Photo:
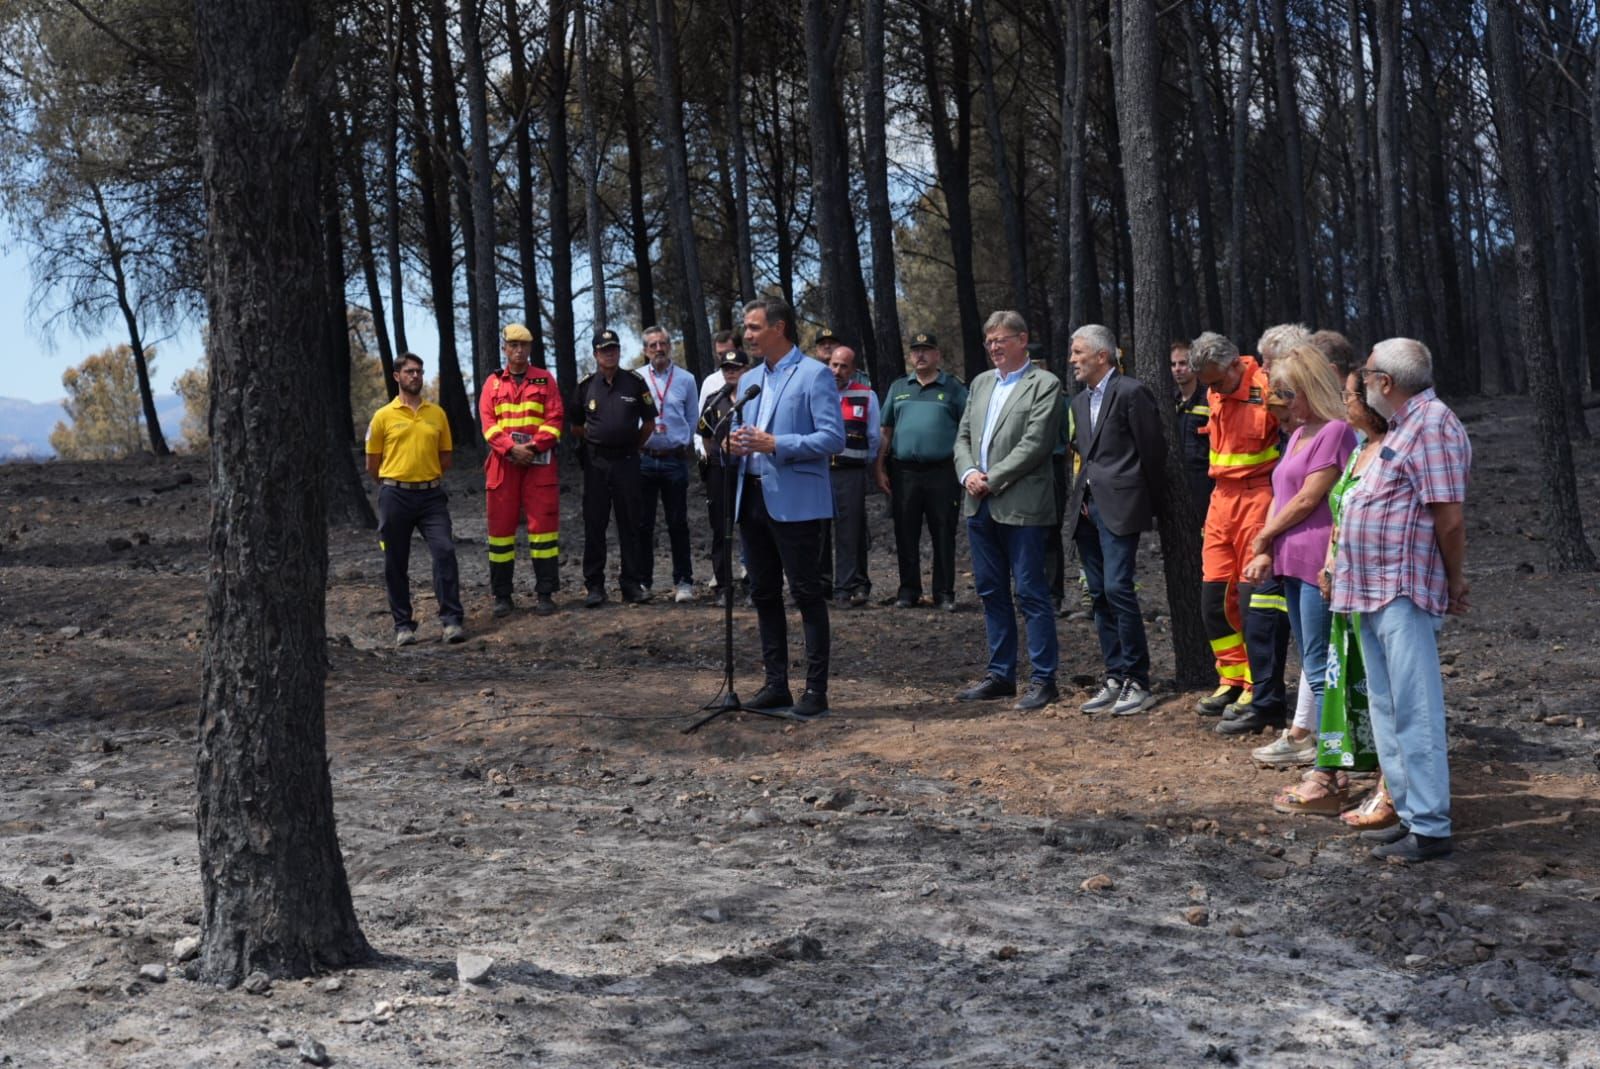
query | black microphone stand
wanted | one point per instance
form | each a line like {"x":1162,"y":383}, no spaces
{"x":726,"y":700}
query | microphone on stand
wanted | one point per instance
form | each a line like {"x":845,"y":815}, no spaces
{"x":749,"y":395}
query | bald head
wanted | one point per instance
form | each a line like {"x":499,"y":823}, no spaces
{"x":842,"y":362}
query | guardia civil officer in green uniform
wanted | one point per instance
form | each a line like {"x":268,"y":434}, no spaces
{"x":916,"y":468}
{"x":613,"y":414}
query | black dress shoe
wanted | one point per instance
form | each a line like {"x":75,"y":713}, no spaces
{"x":636,"y":597}
{"x":545,"y":606}
{"x":905,"y":601}
{"x":1038,"y":695}
{"x":1251,"y":723}
{"x":771,"y":696}
{"x":945,"y":604}
{"x":1414,"y":848}
{"x":987,"y":689}
{"x":811,"y":706}
{"x":594,"y":599}
{"x":504,"y":606}
{"x":1384,"y":836}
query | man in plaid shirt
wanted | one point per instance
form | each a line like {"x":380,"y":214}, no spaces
{"x":1401,"y":566}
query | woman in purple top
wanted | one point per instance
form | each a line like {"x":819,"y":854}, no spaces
{"x":1294,"y":543}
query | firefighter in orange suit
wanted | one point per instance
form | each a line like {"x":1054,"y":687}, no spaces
{"x":1246,"y":623}
{"x":521,"y":412}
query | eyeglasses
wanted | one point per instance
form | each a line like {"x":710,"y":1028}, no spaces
{"x":1283,"y":395}
{"x":1000,"y":341}
{"x":1349,"y":395}
{"x":1363,"y":372}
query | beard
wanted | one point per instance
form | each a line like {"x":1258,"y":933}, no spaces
{"x":1379,"y":403}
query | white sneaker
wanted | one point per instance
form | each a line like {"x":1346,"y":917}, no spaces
{"x":1284,"y":752}
{"x":683,"y":593}
{"x":1134,"y":699}
{"x":454,"y":633}
{"x":405,"y":636}
{"x":1105,"y":699}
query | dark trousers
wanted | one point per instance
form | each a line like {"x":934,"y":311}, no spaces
{"x":1055,"y":546}
{"x":1108,"y":569}
{"x":717,"y":505}
{"x":401,"y":512}
{"x":667,"y":479}
{"x":1266,"y":639}
{"x":775,"y":549}
{"x":1001,"y":553}
{"x":611,"y":487}
{"x":845,"y":540}
{"x":925,"y":494}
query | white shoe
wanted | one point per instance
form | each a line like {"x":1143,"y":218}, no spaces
{"x":405,"y":636}
{"x":1105,"y":699}
{"x":1133,"y":699}
{"x":683,"y":593}
{"x":454,"y":633}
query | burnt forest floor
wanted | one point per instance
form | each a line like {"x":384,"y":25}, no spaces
{"x":910,"y":882}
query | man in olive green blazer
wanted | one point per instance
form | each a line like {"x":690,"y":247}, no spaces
{"x":1002,"y":455}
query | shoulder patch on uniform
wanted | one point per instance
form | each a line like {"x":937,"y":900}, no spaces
{"x":541,"y":380}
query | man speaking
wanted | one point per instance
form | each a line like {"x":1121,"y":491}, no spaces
{"x":787,"y":433}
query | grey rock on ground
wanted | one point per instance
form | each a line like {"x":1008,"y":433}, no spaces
{"x":313,"y":1052}
{"x":257,"y":983}
{"x":186,"y":949}
{"x":154,"y":972}
{"x":473,"y":968}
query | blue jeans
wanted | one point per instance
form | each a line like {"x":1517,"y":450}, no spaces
{"x":668,"y":479}
{"x":1108,"y":570}
{"x":1405,"y":695}
{"x":1001,"y":552}
{"x":1310,"y":621}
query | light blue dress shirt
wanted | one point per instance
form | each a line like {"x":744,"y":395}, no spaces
{"x":674,"y":394}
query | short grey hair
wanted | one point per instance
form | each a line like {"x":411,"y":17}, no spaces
{"x":1275,"y":341}
{"x":653,"y":329}
{"x":1213,"y":350}
{"x":1100,"y":337}
{"x":1406,"y":361}
{"x":1006,"y":320}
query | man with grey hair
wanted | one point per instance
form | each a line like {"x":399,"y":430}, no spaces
{"x":664,"y":461}
{"x":1401,"y":566}
{"x":1277,"y":340}
{"x":1117,"y":493}
{"x":1248,"y":624}
{"x":1002,"y":453}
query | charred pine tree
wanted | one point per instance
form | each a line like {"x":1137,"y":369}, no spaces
{"x":1294,"y":177}
{"x":885,"y":298}
{"x":480,"y":196}
{"x":276,"y":897}
{"x":1137,"y":58}
{"x":1241,"y":138}
{"x":1566,"y":548}
{"x":591,"y":173}
{"x":1397,"y":297}
{"x":521,"y":109}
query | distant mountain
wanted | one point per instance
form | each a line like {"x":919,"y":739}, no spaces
{"x":25,"y":426}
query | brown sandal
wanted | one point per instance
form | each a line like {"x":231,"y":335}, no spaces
{"x":1321,"y":794}
{"x":1376,"y":812}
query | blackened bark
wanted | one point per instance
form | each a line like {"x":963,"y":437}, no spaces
{"x":1241,"y":135}
{"x":480,"y":190}
{"x":952,"y":161}
{"x":830,"y":182}
{"x":275,"y":894}
{"x":1396,"y":299}
{"x":1204,"y":179}
{"x":1367,"y":316}
{"x":361,"y":210}
{"x":398,"y":23}
{"x":1083,"y":265}
{"x":556,"y":161}
{"x":1138,"y":80}
{"x":591,"y":175}
{"x":744,"y":253}
{"x":1294,"y":169}
{"x":1010,"y":208}
{"x":885,"y":299}
{"x":697,"y":331}
{"x":521,"y":110}
{"x":639,"y":222}
{"x":1452,"y":368}
{"x":347,"y":497}
{"x":116,"y":260}
{"x":1566,"y":548}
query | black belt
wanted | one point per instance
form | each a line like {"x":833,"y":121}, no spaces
{"x":924,"y":465}
{"x":429,"y":485}
{"x":847,"y":462}
{"x":614,"y":452}
{"x":677,"y":453}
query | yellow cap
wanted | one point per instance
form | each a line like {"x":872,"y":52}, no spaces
{"x":517,"y":332}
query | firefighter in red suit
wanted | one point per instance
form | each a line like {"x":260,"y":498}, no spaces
{"x":521,"y":412}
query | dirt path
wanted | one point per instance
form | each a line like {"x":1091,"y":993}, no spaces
{"x":899,"y":885}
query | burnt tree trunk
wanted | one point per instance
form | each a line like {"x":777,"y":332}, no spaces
{"x":1294,"y":169}
{"x":480,"y":187}
{"x":744,"y":252}
{"x":591,"y":176}
{"x":556,"y":161}
{"x":697,"y":331}
{"x":1397,"y":300}
{"x":824,"y":30}
{"x":1367,"y":317}
{"x":885,"y":299}
{"x":639,"y":222}
{"x":521,"y":106}
{"x":1137,"y":56}
{"x":397,"y":23}
{"x":1241,"y":136}
{"x":347,"y":497}
{"x":275,"y":894}
{"x":116,"y":260}
{"x":1566,"y":548}
{"x":1010,"y":208}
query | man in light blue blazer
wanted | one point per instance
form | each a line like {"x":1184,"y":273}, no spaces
{"x":787,"y":434}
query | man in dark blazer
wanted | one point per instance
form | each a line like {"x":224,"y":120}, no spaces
{"x":1116,"y":495}
{"x":1002,"y":456}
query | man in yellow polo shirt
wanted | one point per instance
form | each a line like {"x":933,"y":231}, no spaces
{"x":408,"y":452}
